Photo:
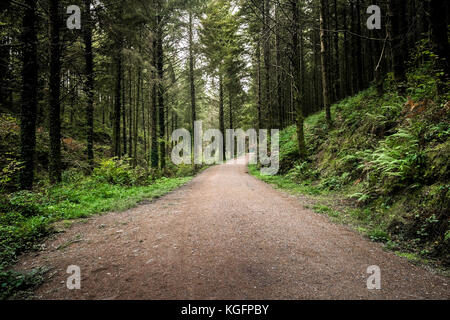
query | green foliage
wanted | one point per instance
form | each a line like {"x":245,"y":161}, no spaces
{"x":18,"y":233}
{"x":326,"y":210}
{"x":12,"y":282}
{"x":121,"y":173}
{"x":9,"y":176}
{"x":285,"y":183}
{"x":72,"y":176}
{"x":27,"y":217}
{"x":303,"y":172}
{"x":389,"y":155}
{"x":113,"y":171}
{"x":447,"y":236}
{"x":378,"y":235}
{"x":424,"y":73}
{"x":288,"y":148}
{"x":398,"y":162}
{"x":24,"y":202}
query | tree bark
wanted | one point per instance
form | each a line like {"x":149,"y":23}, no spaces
{"x":266,"y":38}
{"x":29,"y":95}
{"x":124,"y":116}
{"x":54,"y":103}
{"x":136,"y":117}
{"x":346,"y":70}
{"x":337,"y":76}
{"x":160,"y":69}
{"x":89,"y":85}
{"x":279,"y":75}
{"x":154,"y":158}
{"x":439,"y":40}
{"x":221,"y":111}
{"x":397,"y":37}
{"x":192,"y":84}
{"x":359,"y":53}
{"x":230,"y":101}
{"x":259,"y":102}
{"x":191,"y":73}
{"x":130,"y":113}
{"x":298,"y":105}
{"x":323,"y":52}
{"x":117,"y":106}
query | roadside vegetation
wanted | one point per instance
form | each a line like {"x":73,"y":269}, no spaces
{"x":86,"y":115}
{"x":383,"y":168}
{"x":28,"y":217}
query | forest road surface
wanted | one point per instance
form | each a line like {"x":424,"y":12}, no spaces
{"x":225,"y":235}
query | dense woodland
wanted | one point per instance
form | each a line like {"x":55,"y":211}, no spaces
{"x":138,"y":69}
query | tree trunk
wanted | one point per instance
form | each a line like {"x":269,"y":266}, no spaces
{"x":354,"y":50}
{"x":221,"y":111}
{"x":337,"y":76}
{"x":396,"y":13}
{"x":89,"y":86}
{"x":54,"y":103}
{"x":191,"y":73}
{"x":124,"y":116}
{"x":380,"y":61}
{"x":192,"y":83}
{"x":130,"y":113}
{"x":230,"y":101}
{"x":117,"y":105}
{"x":5,"y":60}
{"x":144,"y":128}
{"x":317,"y":80}
{"x":136,"y":117}
{"x":259,"y":102}
{"x":323,"y":52}
{"x":359,"y":53}
{"x":29,"y":95}
{"x":266,"y":38}
{"x":298,"y":105}
{"x":154,"y":158}
{"x":439,"y":40}
{"x":279,"y":75}
{"x":160,"y":69}
{"x":346,"y":65}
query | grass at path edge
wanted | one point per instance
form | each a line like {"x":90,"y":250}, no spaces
{"x":65,"y":202}
{"x":325,"y":203}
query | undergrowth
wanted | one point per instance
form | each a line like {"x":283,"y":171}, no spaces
{"x":388,"y":158}
{"x":26,"y":218}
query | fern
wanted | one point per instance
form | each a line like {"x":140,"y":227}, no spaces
{"x":397,"y":160}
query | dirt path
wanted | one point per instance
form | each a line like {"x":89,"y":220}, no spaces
{"x":225,"y":235}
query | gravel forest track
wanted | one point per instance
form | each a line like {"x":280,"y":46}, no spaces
{"x":225,"y":235}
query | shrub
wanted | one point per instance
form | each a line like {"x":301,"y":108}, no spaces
{"x":12,"y":282}
{"x":397,"y":162}
{"x":18,"y":233}
{"x":332,"y":183}
{"x":288,"y":149}
{"x":379,"y":235}
{"x":302,"y":172}
{"x":72,"y":176}
{"x":9,"y":177}
{"x":185,"y":171}
{"x":114,"y":171}
{"x":24,"y":202}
